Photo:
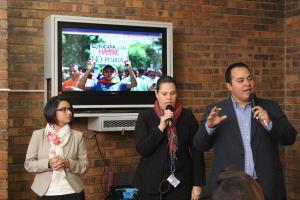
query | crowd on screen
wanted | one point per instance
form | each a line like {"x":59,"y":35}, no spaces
{"x":109,"y":78}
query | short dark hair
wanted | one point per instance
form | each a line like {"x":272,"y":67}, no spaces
{"x":51,"y":106}
{"x":237,"y":185}
{"x":231,"y":67}
{"x":141,"y":70}
{"x":165,"y":79}
{"x":74,"y":65}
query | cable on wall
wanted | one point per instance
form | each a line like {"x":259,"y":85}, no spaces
{"x":103,"y":159}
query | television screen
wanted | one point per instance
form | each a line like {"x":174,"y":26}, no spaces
{"x":108,"y":47}
{"x":107,"y":63}
{"x":124,"y":192}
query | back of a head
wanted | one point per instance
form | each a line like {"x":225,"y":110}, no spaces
{"x":237,"y":185}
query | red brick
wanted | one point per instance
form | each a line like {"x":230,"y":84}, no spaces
{"x":3,"y":174}
{"x":207,"y":37}
{"x":115,"y":153}
{"x":3,"y":156}
{"x":3,"y":194}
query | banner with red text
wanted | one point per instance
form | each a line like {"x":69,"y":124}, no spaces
{"x":113,"y":54}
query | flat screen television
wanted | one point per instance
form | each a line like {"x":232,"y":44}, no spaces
{"x":71,"y":42}
{"x":123,"y":192}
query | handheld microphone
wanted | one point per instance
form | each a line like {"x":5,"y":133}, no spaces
{"x":169,"y":121}
{"x":252,"y":98}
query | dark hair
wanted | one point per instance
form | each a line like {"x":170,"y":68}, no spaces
{"x":141,"y":70}
{"x":232,"y":66}
{"x":51,"y":106}
{"x":237,"y":185}
{"x":165,"y":79}
{"x":135,"y":70}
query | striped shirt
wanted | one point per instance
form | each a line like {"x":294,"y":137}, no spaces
{"x":244,"y":120}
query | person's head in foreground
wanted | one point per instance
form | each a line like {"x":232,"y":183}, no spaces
{"x":237,"y":185}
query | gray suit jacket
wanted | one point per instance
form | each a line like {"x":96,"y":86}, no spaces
{"x":37,"y":158}
{"x":228,"y":149}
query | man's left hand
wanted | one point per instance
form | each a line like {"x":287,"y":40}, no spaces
{"x":196,"y":193}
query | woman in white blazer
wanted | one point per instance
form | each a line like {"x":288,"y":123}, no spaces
{"x":57,"y":154}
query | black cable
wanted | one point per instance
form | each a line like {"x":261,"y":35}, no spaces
{"x":164,"y":180}
{"x":105,"y":165}
{"x":161,"y":191}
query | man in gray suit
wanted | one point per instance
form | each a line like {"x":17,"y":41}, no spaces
{"x":244,"y":132}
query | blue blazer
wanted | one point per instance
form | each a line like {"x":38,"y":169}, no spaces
{"x":228,"y":150}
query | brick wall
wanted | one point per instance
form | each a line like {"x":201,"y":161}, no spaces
{"x":292,"y":93}
{"x":208,"y":35}
{"x":3,"y":102}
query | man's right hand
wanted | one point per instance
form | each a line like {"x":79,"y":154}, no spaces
{"x":214,"y":118}
{"x":90,"y":65}
{"x":127,"y":63}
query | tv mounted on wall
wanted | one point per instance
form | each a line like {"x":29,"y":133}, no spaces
{"x":71,"y":41}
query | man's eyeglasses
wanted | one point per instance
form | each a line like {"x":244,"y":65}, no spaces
{"x":65,"y":109}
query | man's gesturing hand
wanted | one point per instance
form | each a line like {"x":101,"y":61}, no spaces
{"x":214,"y":118}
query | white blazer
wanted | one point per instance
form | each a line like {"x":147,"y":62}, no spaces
{"x":37,"y":158}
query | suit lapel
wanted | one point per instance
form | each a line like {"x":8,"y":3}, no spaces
{"x":231,"y":115}
{"x":46,"y":142}
{"x":254,"y":126}
{"x":235,"y":125}
{"x":67,"y":148}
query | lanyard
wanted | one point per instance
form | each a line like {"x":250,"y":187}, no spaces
{"x":173,"y":169}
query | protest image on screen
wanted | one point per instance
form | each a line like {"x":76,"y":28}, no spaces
{"x":108,"y":50}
